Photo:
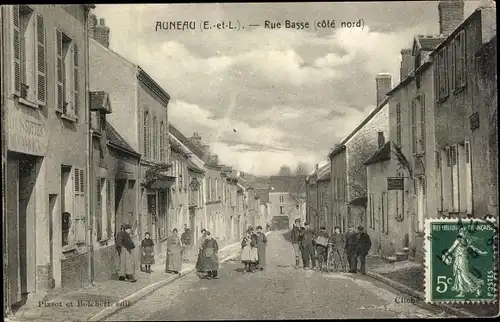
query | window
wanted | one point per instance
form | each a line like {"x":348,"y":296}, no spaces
{"x":28,"y":63}
{"x":439,"y":173}
{"x":98,"y":207}
{"x":164,"y":197}
{"x":79,"y":206}
{"x":67,"y":82}
{"x":216,"y":189}
{"x":209,"y":189}
{"x":414,"y":126}
{"x":398,"y":124}
{"x":282,"y":210}
{"x":155,"y":139}
{"x":383,"y":210}
{"x":459,"y":55}
{"x":422,"y":123}
{"x":161,"y":148}
{"x":145,"y":130}
{"x":282,"y":199}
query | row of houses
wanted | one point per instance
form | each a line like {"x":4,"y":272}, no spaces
{"x":87,"y":146}
{"x":428,"y":149}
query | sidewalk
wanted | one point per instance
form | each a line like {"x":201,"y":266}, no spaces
{"x":99,"y":301}
{"x":408,"y":277}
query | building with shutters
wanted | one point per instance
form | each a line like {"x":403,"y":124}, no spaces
{"x":318,"y":197}
{"x":47,"y":143}
{"x":348,"y":180}
{"x":114,"y":167}
{"x":466,"y":138}
{"x":140,"y":116}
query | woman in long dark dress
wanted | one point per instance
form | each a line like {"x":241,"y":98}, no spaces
{"x":261,"y":248}
{"x":174,"y":262}
{"x":210,"y":256}
{"x":125,"y":246}
{"x":201,"y":241}
{"x":148,"y":257}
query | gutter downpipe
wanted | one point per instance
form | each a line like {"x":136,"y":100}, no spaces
{"x":90,"y":225}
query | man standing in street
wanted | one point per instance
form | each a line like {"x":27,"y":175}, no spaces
{"x":295,"y":241}
{"x":363,"y":246}
{"x":350,"y":248}
{"x":186,"y":243}
{"x":307,"y":241}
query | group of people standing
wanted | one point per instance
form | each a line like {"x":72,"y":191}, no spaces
{"x":177,"y":248}
{"x":336,"y":252}
{"x":253,"y":249}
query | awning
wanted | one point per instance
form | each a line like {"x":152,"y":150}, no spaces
{"x":162,"y":182}
{"x":359,"y":201}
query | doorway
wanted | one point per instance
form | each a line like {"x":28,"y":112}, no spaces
{"x":119,"y":204}
{"x":21,"y":175}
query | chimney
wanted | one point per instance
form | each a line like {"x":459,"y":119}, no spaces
{"x":381,"y":139}
{"x":101,"y":33}
{"x":317,"y":166}
{"x":406,"y":63}
{"x":384,"y":85}
{"x":91,"y":24}
{"x":196,"y":139}
{"x":451,"y":14}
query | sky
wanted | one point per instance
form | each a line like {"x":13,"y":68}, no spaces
{"x":264,"y":98}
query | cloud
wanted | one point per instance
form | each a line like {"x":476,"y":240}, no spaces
{"x":262,"y":98}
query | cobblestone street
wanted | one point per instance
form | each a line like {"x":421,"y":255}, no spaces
{"x":280,"y":292}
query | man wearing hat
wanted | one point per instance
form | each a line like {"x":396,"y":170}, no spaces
{"x":295,"y":241}
{"x":363,"y":246}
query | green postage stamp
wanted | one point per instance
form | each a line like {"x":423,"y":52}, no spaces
{"x":460,"y":263}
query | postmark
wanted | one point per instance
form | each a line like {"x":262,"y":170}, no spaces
{"x":460,"y":262}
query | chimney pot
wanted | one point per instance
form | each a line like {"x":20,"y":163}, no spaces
{"x":101,"y":22}
{"x":381,"y":139}
{"x":383,"y":86}
{"x":406,"y":63}
{"x":100,"y":32}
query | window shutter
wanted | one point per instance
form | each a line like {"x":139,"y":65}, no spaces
{"x":462,"y":58}
{"x":77,"y":180}
{"x":436,"y":78}
{"x":16,"y":51}
{"x":467,"y":152}
{"x":445,"y":71}
{"x":108,"y":207}
{"x":82,"y":181}
{"x":40,"y":60}
{"x":453,"y":65}
{"x":76,"y":80}
{"x":59,"y":69}
{"x":98,"y":210}
{"x":448,"y":157}
{"x":422,"y":123}
{"x":145,"y":130}
{"x":155,"y":139}
{"x":79,"y":208}
{"x":149,"y":135}
{"x":424,"y":187}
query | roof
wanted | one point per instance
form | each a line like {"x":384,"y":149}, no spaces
{"x":291,"y":184}
{"x":263,"y":194}
{"x":99,"y":100}
{"x":192,"y":166}
{"x":324,"y":173}
{"x":363,"y":123}
{"x":115,"y":138}
{"x":174,"y":145}
{"x":184,"y":140}
{"x":460,"y":26}
{"x":428,"y":42}
{"x":383,"y":154}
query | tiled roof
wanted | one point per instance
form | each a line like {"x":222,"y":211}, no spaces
{"x":324,"y":172}
{"x":293,"y":184}
{"x":114,"y":137}
{"x":184,"y":140}
{"x":383,"y":154}
{"x":175,"y":145}
{"x":192,"y":165}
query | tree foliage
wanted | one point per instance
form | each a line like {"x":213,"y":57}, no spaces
{"x":301,"y":169}
{"x":285,"y":171}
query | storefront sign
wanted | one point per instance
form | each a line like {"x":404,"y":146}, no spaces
{"x":395,"y":184}
{"x":26,"y":131}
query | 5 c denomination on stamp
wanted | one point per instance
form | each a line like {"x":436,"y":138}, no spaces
{"x":460,"y":260}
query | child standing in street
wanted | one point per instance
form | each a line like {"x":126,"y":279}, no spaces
{"x":147,"y":258}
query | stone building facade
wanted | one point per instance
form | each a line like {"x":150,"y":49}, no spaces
{"x":348,"y":173}
{"x":47,"y":142}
